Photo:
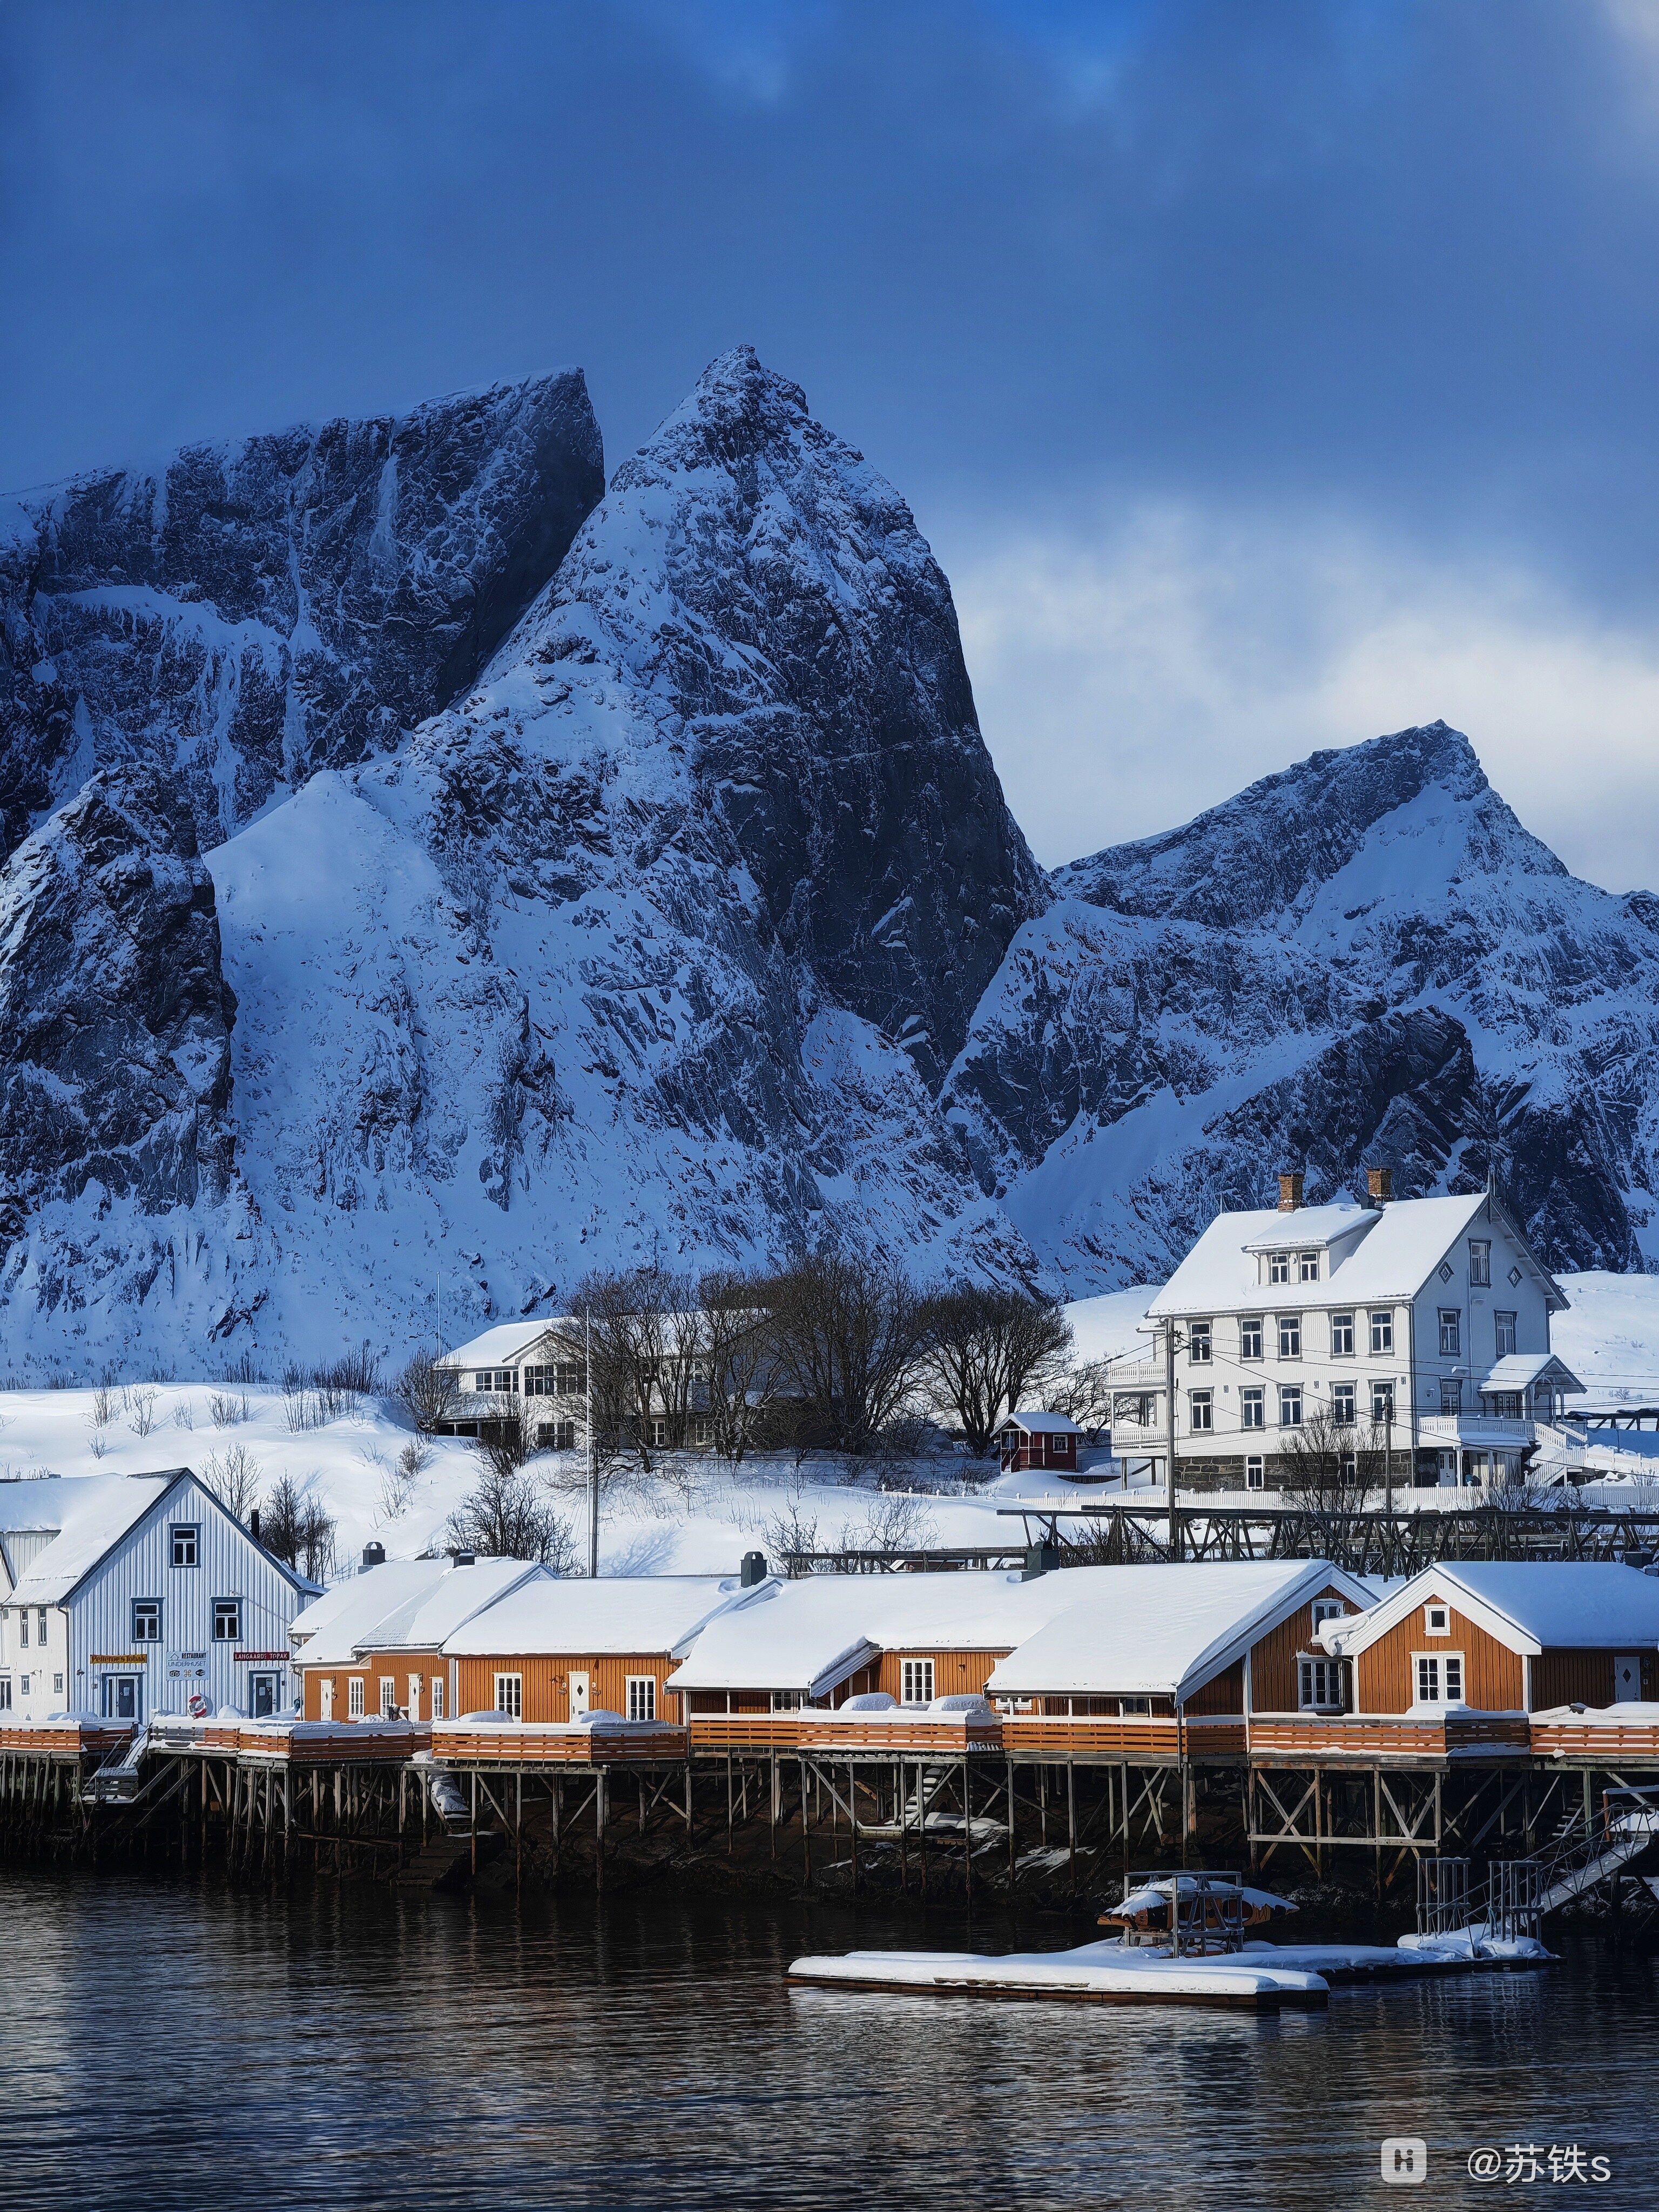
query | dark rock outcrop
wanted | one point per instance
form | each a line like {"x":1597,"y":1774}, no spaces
{"x":254,"y":612}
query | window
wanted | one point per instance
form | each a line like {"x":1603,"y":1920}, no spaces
{"x":642,"y":1696}
{"x":5,"y":1693}
{"x":437,"y":1697}
{"x":538,"y":1382}
{"x":1308,"y":1267}
{"x":659,"y":1434}
{"x":1255,"y":1475}
{"x":185,"y":1550}
{"x":509,"y":1696}
{"x":1437,"y":1620}
{"x":1199,"y":1343}
{"x":1381,"y":1403}
{"x":40,"y":1627}
{"x":1249,"y":1339}
{"x":1481,"y":1264}
{"x":1279,"y":1268}
{"x":785,"y":1701}
{"x":146,"y":1621}
{"x":916,"y":1677}
{"x":23,"y":1625}
{"x":355,"y":1697}
{"x":1061,"y":1446}
{"x":226,"y":1619}
{"x":1382,"y":1333}
{"x":1250,"y":1410}
{"x":1319,"y":1684}
{"x":1451,"y":1396}
{"x":1290,"y":1405}
{"x":1342,"y":1404}
{"x":568,"y":1382}
{"x":1439,"y":1678}
{"x":1451,"y":1333}
{"x":497,"y":1381}
{"x":1201,"y":1411}
{"x":1505,"y":1334}
{"x":1342,"y":1335}
{"x":1327,"y":1609}
{"x":57,"y":1686}
{"x":388,"y":1697}
{"x":1289,"y":1336}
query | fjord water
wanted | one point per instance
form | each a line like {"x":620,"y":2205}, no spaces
{"x":176,"y":2047}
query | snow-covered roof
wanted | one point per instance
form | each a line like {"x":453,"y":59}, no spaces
{"x":1163,"y":1631}
{"x":809,"y":1635}
{"x":1386,"y":1252}
{"x":616,"y":1614}
{"x":402,"y":1604}
{"x":1519,"y":1370}
{"x":501,"y":1346}
{"x":1060,"y":1425}
{"x":91,"y":1512}
{"x":1528,"y":1604}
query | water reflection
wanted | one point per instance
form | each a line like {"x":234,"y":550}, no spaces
{"x":346,"y":2047}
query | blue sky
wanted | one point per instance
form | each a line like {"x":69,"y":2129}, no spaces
{"x":1266,"y":375}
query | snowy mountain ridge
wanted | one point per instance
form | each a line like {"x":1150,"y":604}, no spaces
{"x":694,"y":924}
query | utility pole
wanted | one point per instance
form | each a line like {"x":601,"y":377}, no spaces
{"x":1388,"y":1455}
{"x":1169,"y":1433}
{"x":593,"y":1450}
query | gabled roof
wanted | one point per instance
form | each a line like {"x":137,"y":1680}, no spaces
{"x":90,"y":1513}
{"x":616,"y":1614}
{"x":402,"y":1604}
{"x":1058,"y":1425}
{"x":1529,"y":1606}
{"x":1392,"y":1259}
{"x":810,"y":1635}
{"x":1520,"y":1371}
{"x":501,"y":1346}
{"x":1164,"y":1630}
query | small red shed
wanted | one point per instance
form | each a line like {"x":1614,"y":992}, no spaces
{"x":1041,"y":1440}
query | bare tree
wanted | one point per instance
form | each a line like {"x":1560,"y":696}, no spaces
{"x":505,"y":1448}
{"x":850,"y":1333}
{"x":233,"y":1475}
{"x":507,"y":1517}
{"x":985,"y":1348}
{"x":427,"y":1391}
{"x":294,"y":1527}
{"x":1329,"y":1465}
{"x":640,"y":1335}
{"x":738,"y":1361}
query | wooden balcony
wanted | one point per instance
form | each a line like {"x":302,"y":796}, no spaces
{"x":64,"y":1739}
{"x":1150,"y":1742}
{"x":1597,"y":1741}
{"x":557,"y":1743}
{"x":1370,"y":1740}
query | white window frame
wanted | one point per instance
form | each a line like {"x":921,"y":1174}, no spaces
{"x":437,"y":1697}
{"x":1342,"y":1396}
{"x":1278,"y":1267}
{"x":1256,"y":1475}
{"x":5,"y":1693}
{"x":1341,"y":1326}
{"x":1504,"y":1323}
{"x":640,"y":1700}
{"x":356,"y":1686}
{"x":1307,"y":1267}
{"x":916,"y":1681}
{"x":1382,"y":1320}
{"x":1201,"y":1343}
{"x":1480,"y":1263}
{"x":1201,"y":1413}
{"x":1437,"y":1620}
{"x":1253,"y":1402}
{"x":1451,"y":1397}
{"x":509,"y":1696}
{"x":1289,"y":1336}
{"x":388,"y":1697}
{"x":1319,"y":1684}
{"x":1383,"y":1404}
{"x":1451,"y":1332}
{"x":1249,"y":1328}
{"x":1438,"y":1667}
{"x":1287,"y":1391}
{"x":1327,"y":1609}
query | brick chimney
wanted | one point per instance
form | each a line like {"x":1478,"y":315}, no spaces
{"x":1379,"y":1182}
{"x":1290,"y":1193}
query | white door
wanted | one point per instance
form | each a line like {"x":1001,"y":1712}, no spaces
{"x":1627,"y":1681}
{"x":414,"y":1697}
{"x":581,"y":1693}
{"x":328,"y":1700}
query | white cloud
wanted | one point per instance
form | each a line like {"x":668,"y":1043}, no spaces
{"x":1127,"y":679}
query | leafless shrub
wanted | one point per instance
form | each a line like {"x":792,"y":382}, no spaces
{"x":507,"y":1517}
{"x":427,"y":1392}
{"x":183,"y":1417}
{"x":226,"y":1411}
{"x":414,"y":1458}
{"x":97,"y":1444}
{"x":233,"y":1476}
{"x":242,"y":1370}
{"x":294,"y":1527}
{"x":791,"y":1530}
{"x":141,"y":1410}
{"x":502,"y":1444}
{"x":103,"y":1406}
{"x":894,"y":1523}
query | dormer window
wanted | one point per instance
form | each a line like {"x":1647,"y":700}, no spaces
{"x":1437,"y":1620}
{"x":1308,"y":1267}
{"x":1279,"y":1268}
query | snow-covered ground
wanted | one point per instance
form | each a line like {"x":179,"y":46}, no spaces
{"x":701,"y":1519}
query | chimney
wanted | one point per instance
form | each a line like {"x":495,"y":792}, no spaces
{"x":1379,"y":1183}
{"x":1290,"y":1193}
{"x":752,"y":1570}
{"x":254,"y":1524}
{"x":373,"y":1556}
{"x":465,"y":1558}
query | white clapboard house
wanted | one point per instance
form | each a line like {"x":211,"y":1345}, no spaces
{"x":126,"y":1595}
{"x":529,"y":1370}
{"x":1426,"y":1320}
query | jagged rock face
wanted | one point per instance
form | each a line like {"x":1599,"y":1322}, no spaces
{"x":1363,"y":960}
{"x":258,"y":611}
{"x":115,"y":1018}
{"x":769,"y":599}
